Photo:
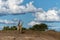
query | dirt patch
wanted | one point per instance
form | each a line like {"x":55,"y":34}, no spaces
{"x":29,"y":35}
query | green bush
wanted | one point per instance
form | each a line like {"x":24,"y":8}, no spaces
{"x":6,"y":28}
{"x":40,"y":27}
{"x":13,"y":28}
{"x":23,"y":28}
{"x":9,"y":28}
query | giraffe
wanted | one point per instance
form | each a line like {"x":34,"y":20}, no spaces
{"x":19,"y":28}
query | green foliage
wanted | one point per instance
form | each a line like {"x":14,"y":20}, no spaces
{"x":6,"y":28}
{"x":31,"y":28}
{"x":9,"y":28}
{"x":24,"y":28}
{"x":13,"y":28}
{"x":40,"y":27}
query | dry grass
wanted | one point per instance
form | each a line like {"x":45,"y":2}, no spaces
{"x":29,"y":35}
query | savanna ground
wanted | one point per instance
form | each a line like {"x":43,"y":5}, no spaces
{"x":29,"y":35}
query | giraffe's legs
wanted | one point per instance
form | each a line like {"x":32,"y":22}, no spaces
{"x":19,"y":28}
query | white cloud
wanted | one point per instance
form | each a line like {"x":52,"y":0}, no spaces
{"x":15,"y":7}
{"x":7,"y":22}
{"x":33,"y":23}
{"x":50,"y":15}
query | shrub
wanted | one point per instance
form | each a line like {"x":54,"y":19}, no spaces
{"x":6,"y":28}
{"x":40,"y":27}
{"x":13,"y":28}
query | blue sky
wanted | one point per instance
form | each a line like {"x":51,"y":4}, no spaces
{"x":31,"y":12}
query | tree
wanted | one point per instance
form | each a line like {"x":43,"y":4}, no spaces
{"x":24,"y":28}
{"x":6,"y":28}
{"x":9,"y":28}
{"x":13,"y":28}
{"x":40,"y":27}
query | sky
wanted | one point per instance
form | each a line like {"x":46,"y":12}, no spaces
{"x":30,"y":12}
